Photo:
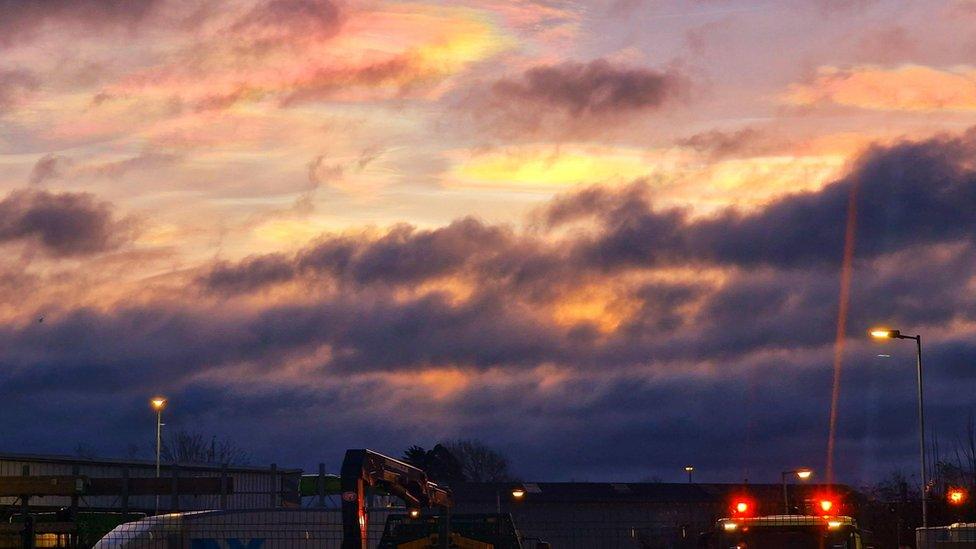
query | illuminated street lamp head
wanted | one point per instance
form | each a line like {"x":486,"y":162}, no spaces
{"x":689,"y":468}
{"x":158,"y":403}
{"x":884,"y":333}
{"x":957,"y":496}
{"x":803,"y":474}
{"x":518,"y":493}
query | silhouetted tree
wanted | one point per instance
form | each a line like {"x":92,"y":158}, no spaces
{"x":438,"y":462}
{"x":479,"y":463}
{"x":185,"y":447}
{"x":892,"y":510}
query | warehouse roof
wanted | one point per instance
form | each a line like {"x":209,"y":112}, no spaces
{"x":649,"y":492}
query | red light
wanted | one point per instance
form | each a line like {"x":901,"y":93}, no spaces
{"x":957,"y":496}
{"x":742,"y":505}
{"x":826,"y":505}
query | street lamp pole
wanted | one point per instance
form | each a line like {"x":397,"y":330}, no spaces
{"x":689,"y":469}
{"x":517,"y":494}
{"x":921,"y":431}
{"x":158,"y":403}
{"x":896,"y":334}
{"x":801,"y":474}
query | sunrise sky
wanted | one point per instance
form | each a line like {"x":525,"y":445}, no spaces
{"x":604,"y":237}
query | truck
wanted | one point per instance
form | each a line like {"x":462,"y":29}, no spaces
{"x":782,"y":531}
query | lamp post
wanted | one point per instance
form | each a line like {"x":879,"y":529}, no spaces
{"x":801,"y":474}
{"x":158,"y":403}
{"x":689,"y":469}
{"x":896,"y":334}
{"x":517,"y":494}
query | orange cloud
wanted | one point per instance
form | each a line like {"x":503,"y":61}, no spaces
{"x":905,"y":88}
{"x":604,"y":307}
{"x":376,"y":55}
{"x":547,"y":166}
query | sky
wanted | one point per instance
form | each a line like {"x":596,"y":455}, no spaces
{"x":606,"y":238}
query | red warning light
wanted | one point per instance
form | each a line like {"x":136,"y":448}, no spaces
{"x":743,"y":507}
{"x":956,"y":496}
{"x":826,"y":505}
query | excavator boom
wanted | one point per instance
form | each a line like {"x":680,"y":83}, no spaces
{"x":363,"y":469}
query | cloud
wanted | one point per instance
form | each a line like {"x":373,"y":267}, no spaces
{"x":63,"y":224}
{"x":49,"y":166}
{"x":607,"y":312}
{"x":550,"y":166}
{"x":594,"y":91}
{"x":593,"y":88}
{"x":145,"y":160}
{"x":15,"y":85}
{"x":913,"y":193}
{"x":723,"y":144}
{"x":913,"y":199}
{"x":891,"y":44}
{"x":293,"y":18}
{"x":401,"y":256}
{"x":20,"y":19}
{"x":913,"y":88}
{"x":908,"y":195}
{"x":295,"y":52}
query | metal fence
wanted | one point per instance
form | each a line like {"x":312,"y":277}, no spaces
{"x":253,"y":487}
{"x":955,"y":536}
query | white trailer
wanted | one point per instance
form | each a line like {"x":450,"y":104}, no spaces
{"x":234,"y":529}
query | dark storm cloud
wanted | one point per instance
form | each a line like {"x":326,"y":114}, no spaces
{"x":738,"y":362}
{"x":250,"y":273}
{"x":500,"y":325}
{"x":906,"y":195}
{"x":64,"y":224}
{"x":781,"y":264}
{"x":597,"y":87}
{"x":21,"y":18}
{"x":401,"y":256}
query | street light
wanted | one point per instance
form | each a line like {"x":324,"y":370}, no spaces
{"x":517,"y":494}
{"x":884,"y":333}
{"x":689,"y":469}
{"x":956,"y":496}
{"x":158,"y":403}
{"x":802,"y":474}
